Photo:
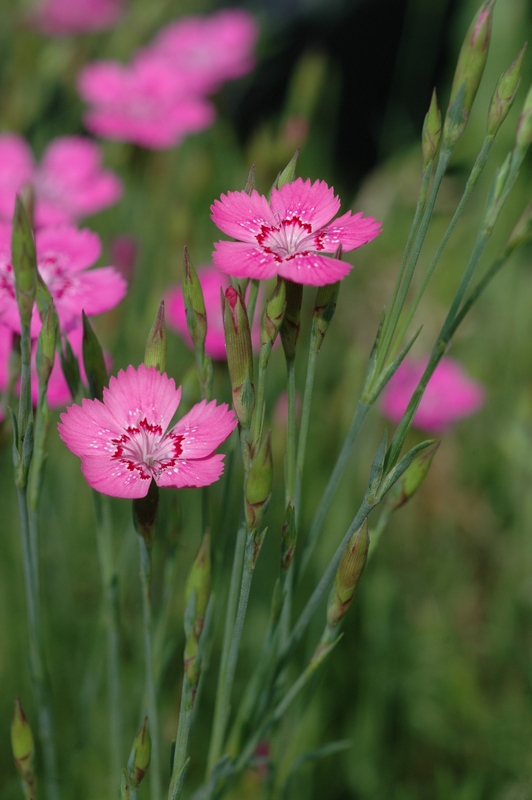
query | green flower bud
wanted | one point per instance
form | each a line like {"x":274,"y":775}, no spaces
{"x":524,"y":126}
{"x":93,"y":360}
{"x":259,"y":484}
{"x":155,"y":353}
{"x":199,"y":585}
{"x":430,"y":137}
{"x":273,"y":315}
{"x":23,"y":749}
{"x":288,"y":174}
{"x":46,"y":344}
{"x":124,"y":786}
{"x":414,"y":476}
{"x":504,"y":94}
{"x":194,"y":304}
{"x":348,"y":575}
{"x":70,"y":367}
{"x":250,"y":181}
{"x":288,"y":538}
{"x":469,"y":69}
{"x":239,"y":355}
{"x":291,"y":320}
{"x":24,"y":261}
{"x":139,"y":758}
{"x":324,"y":308}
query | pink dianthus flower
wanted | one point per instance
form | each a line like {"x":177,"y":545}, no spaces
{"x":212,"y":282}
{"x":450,"y":395}
{"x":208,"y":50}
{"x":63,"y":17}
{"x":124,"y":441}
{"x":69,"y":183}
{"x":63,"y":257}
{"x":288,"y":235}
{"x":146,"y":102}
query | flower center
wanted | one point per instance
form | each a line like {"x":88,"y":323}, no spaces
{"x":290,"y":238}
{"x":144,"y":448}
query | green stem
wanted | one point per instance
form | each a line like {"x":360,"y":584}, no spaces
{"x":336,"y":475}
{"x":151,"y":694}
{"x":110,"y":617}
{"x":304,"y":424}
{"x":252,"y":300}
{"x":291,"y":434}
{"x":236,"y":637}
{"x":222,"y":700}
{"x":40,"y":687}
{"x":180,"y":763}
{"x":471,"y":182}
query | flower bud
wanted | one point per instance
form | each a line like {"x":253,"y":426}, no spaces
{"x":288,"y":174}
{"x":290,"y":324}
{"x":349,"y":571}
{"x":139,"y":758}
{"x":46,"y":344}
{"x":250,"y":180}
{"x":259,"y":484}
{"x":199,"y":585}
{"x":23,"y":748}
{"x":194,"y":304}
{"x":504,"y":94}
{"x":125,"y":794}
{"x":93,"y":360}
{"x":524,"y":126}
{"x":324,"y":308}
{"x":430,"y":137}
{"x":288,"y":538}
{"x":469,"y":69}
{"x":155,"y":353}
{"x":70,"y":367}
{"x":24,"y":261}
{"x":239,"y":355}
{"x":414,"y":476}
{"x":273,"y":315}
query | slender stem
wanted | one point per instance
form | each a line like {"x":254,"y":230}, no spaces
{"x":304,"y":424}
{"x":326,"y":500}
{"x":37,"y":670}
{"x":252,"y":300}
{"x":180,"y":763}
{"x":471,"y":182}
{"x":110,"y":617}
{"x":291,"y":434}
{"x":151,"y":695}
{"x":220,"y":713}
{"x":411,"y":262}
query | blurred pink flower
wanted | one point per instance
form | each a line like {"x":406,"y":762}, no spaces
{"x":63,"y":17}
{"x":63,"y":257}
{"x":209,"y":50}
{"x":146,"y":102}
{"x":123,"y":442}
{"x":123,"y":252}
{"x":287,"y":235}
{"x":449,"y":396}
{"x":212,"y":282}
{"x":69,"y":182}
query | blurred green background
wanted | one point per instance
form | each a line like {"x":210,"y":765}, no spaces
{"x":432,"y":681}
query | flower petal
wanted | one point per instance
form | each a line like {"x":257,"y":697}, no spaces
{"x":142,"y":393}
{"x":115,"y":478}
{"x":89,"y":428}
{"x":94,"y":292}
{"x":205,"y":427}
{"x":314,"y":204}
{"x":241,"y":215}
{"x":78,"y":248}
{"x":244,"y":260}
{"x":312,"y":269}
{"x":196,"y":472}
{"x":350,"y":231}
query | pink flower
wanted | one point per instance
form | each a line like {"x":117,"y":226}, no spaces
{"x":449,"y":396}
{"x":69,"y":182}
{"x":63,"y":257}
{"x":146,"y":102}
{"x":124,"y":443}
{"x":60,"y":17}
{"x":288,"y":235}
{"x":209,"y":50}
{"x":212,"y":282}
